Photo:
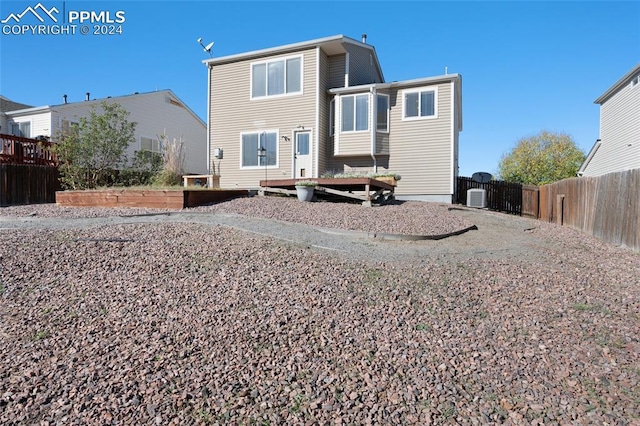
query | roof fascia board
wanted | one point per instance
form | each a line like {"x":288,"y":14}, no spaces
{"x":396,"y":84}
{"x":28,"y":111}
{"x":272,"y":50}
{"x":367,"y":46}
{"x":47,"y":108}
{"x":617,"y":85}
{"x":590,"y":156}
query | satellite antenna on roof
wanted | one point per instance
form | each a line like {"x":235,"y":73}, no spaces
{"x":206,"y":48}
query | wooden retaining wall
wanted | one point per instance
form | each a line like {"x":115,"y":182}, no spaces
{"x":28,"y":184}
{"x":607,"y":206}
{"x":162,"y":199}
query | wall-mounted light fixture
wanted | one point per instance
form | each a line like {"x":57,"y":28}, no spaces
{"x":262,"y":154}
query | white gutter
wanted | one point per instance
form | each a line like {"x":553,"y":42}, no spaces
{"x":346,"y":70}
{"x":208,"y":120}
{"x":316,"y":134}
{"x":587,"y":160}
{"x":395,"y":84}
{"x":374,"y":126}
{"x":453,"y":138}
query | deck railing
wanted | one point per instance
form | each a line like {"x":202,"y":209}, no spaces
{"x":19,"y":150}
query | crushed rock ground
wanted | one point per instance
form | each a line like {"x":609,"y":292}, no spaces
{"x":519,"y":322}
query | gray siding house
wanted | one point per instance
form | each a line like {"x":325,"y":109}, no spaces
{"x":154,"y":112}
{"x":323,"y":105}
{"x":618,"y":147}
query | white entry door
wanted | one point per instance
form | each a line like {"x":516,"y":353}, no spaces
{"x":302,"y":154}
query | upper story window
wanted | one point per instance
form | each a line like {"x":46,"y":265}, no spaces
{"x":635,"y":80}
{"x":420,"y":103}
{"x":277,"y":77}
{"x":355,"y":113}
{"x":383,"y":113}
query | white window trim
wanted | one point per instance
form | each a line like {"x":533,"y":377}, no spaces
{"x":354,"y":95}
{"x":388,"y":113}
{"x":18,"y":123}
{"x":332,"y":117}
{"x":277,"y":132}
{"x":433,"y":89}
{"x":283,"y":58}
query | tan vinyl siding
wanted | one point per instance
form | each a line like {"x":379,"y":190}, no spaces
{"x":360,"y":164}
{"x":355,"y":143}
{"x":382,"y":143}
{"x":323,"y":111}
{"x":362,"y":67}
{"x":421,"y":150}
{"x":232,"y":112}
{"x":336,"y":69}
{"x":619,"y":132}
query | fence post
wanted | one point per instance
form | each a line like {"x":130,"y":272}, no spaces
{"x":560,"y":209}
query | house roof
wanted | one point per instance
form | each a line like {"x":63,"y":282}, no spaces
{"x":33,"y":110}
{"x":457,"y":78}
{"x":330,"y":45}
{"x":7,"y":104}
{"x":618,"y":84}
{"x":396,"y":84}
{"x":589,"y":157}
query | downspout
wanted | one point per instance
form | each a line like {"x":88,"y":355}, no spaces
{"x":316,"y":134}
{"x":209,"y":119}
{"x":374,"y":126}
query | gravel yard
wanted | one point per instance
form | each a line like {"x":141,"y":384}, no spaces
{"x":170,"y":322}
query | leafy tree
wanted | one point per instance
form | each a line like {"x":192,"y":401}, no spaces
{"x":91,"y":151}
{"x":540,"y":159}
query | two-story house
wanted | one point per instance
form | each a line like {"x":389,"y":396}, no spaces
{"x":618,"y":147}
{"x":154,"y":113}
{"x":323,"y":105}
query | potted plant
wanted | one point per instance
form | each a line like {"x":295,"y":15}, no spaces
{"x":305,"y":189}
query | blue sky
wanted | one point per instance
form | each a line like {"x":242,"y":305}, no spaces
{"x":526,"y":65}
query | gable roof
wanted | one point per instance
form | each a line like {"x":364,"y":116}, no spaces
{"x":7,"y":104}
{"x":32,"y":110}
{"x":618,"y":84}
{"x":330,"y":45}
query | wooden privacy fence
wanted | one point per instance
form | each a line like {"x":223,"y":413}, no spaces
{"x":501,"y":196}
{"x":607,"y":207}
{"x":28,"y":184}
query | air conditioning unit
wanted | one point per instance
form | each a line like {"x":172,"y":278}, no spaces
{"x":477,"y":198}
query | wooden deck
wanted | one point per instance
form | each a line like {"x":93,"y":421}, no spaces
{"x":366,"y":190}
{"x":19,"y":150}
{"x":163,"y":199}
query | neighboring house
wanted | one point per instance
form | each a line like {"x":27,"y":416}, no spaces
{"x":323,"y":105}
{"x":8,"y":105}
{"x":618,"y":147}
{"x":154,"y":113}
